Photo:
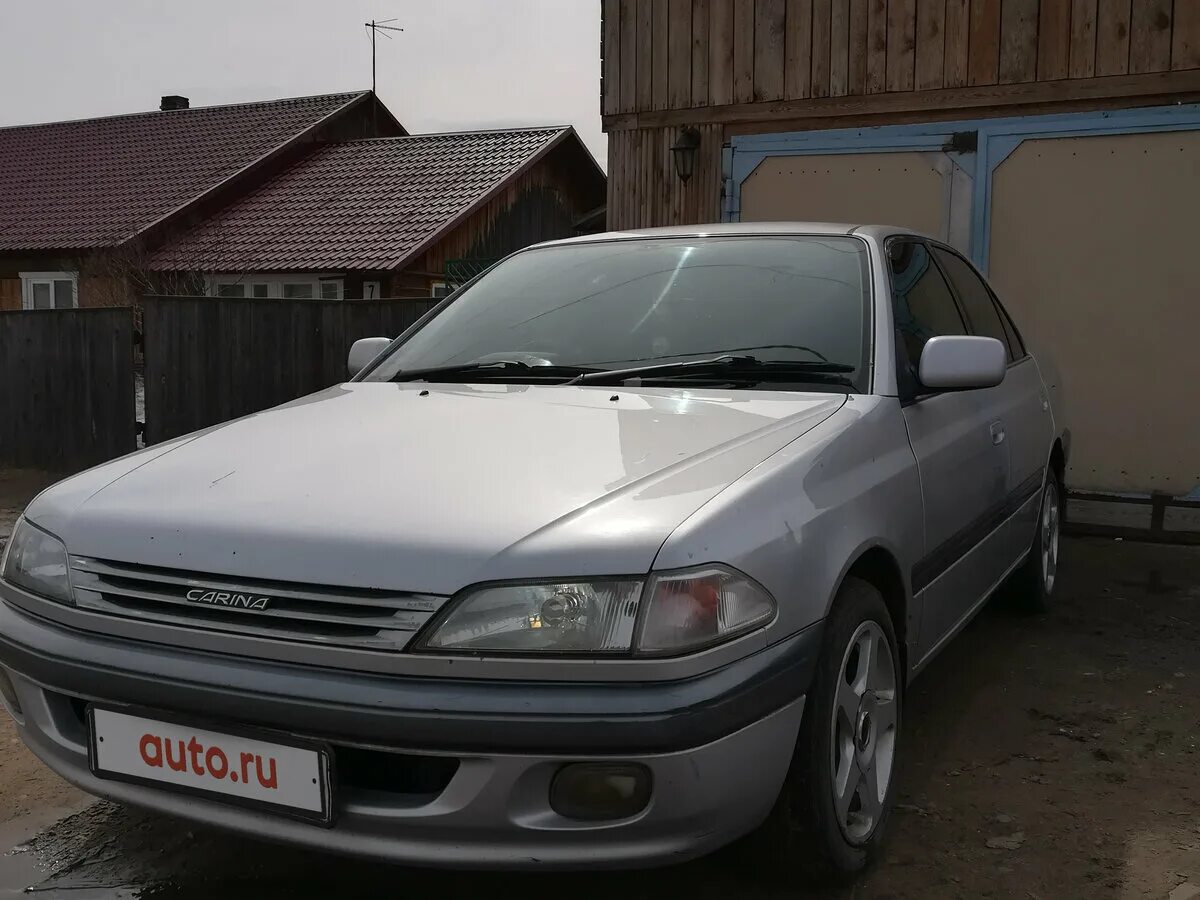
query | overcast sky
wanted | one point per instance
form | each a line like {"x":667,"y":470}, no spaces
{"x":459,"y":64}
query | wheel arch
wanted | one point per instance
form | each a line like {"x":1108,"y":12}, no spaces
{"x":879,"y":566}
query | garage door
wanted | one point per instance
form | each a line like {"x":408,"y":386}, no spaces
{"x":1093,"y":247}
{"x":921,"y":190}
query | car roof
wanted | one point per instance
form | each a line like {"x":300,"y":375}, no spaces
{"x":743,"y":229}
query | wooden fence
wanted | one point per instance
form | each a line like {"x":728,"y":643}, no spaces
{"x":66,"y":388}
{"x":209,"y":360}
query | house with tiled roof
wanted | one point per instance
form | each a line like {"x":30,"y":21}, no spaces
{"x":397,"y":216}
{"x":321,"y":197}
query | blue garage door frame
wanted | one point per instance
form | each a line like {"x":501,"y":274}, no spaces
{"x":995,"y":140}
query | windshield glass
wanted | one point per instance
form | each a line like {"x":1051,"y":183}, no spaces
{"x":627,"y":304}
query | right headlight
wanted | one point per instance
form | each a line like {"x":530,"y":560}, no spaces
{"x":37,"y":561}
{"x":668,"y":614}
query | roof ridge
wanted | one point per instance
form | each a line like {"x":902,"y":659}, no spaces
{"x":161,"y":112}
{"x":524,"y":129}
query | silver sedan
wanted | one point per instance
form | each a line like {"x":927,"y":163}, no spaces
{"x":626,"y":551}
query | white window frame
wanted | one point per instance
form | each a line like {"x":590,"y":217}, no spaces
{"x":275,"y":284}
{"x":28,"y":279}
{"x":444,"y":286}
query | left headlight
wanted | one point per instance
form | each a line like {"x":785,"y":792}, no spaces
{"x":669,"y":614}
{"x":37,"y":561}
{"x":564,"y":617}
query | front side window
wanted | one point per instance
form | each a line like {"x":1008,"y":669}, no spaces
{"x":984,"y":318}
{"x":800,"y":302}
{"x":922,"y":307}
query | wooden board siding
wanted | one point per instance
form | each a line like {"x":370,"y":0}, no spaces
{"x":822,"y":13}
{"x":679,"y":53}
{"x":797,"y":80}
{"x":650,"y":193}
{"x":1083,"y":38}
{"x":1185,"y":47}
{"x":1018,"y":41}
{"x":1054,"y":40}
{"x":876,"y":50}
{"x":645,"y":56}
{"x":743,"y":51}
{"x":720,"y":52}
{"x":857,"y":51}
{"x":701,"y":21}
{"x":769,"y":17}
{"x":663,"y":56}
{"x":10,"y":294}
{"x":983,"y":63}
{"x":1150,"y":37}
{"x":1112,"y":37}
{"x":931,"y":43}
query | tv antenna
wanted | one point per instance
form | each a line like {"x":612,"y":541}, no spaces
{"x":382,"y":27}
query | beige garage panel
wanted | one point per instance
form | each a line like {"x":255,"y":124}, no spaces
{"x":913,"y":189}
{"x":1093,"y":245}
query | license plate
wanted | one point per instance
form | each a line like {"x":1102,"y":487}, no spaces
{"x":290,"y":778}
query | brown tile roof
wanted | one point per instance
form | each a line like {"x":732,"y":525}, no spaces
{"x":97,"y":182}
{"x":360,"y":204}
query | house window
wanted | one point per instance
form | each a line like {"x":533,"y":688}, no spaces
{"x":440,"y":289}
{"x":305,"y":287}
{"x":298,"y":290}
{"x":49,"y":290}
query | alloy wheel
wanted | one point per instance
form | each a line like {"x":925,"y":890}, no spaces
{"x":865,"y":720}
{"x":1049,"y":535}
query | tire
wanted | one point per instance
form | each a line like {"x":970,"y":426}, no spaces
{"x":1032,"y":586}
{"x":804,"y":836}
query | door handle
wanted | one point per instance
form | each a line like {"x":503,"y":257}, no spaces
{"x":998,"y":433}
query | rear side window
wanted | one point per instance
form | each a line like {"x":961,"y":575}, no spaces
{"x":983,"y":317}
{"x":922,"y":307}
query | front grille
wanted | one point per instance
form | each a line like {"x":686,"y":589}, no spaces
{"x":344,"y":617}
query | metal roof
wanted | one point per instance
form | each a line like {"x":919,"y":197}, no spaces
{"x":368,"y":204}
{"x":98,"y":182}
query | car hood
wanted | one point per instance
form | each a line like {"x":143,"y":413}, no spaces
{"x":430,"y":488}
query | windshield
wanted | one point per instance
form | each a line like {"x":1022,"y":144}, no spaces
{"x":628,"y":304}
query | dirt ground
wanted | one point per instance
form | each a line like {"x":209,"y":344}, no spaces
{"x":1047,"y":757}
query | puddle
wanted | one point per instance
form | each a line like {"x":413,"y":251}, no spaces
{"x":20,"y":865}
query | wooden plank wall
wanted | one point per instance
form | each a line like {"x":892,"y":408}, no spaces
{"x":10,"y":294}
{"x":67,"y":400}
{"x":695,"y":53}
{"x":649,"y":193}
{"x":210,"y":360}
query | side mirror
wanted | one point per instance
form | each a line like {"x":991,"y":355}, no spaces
{"x":962,"y":363}
{"x":363,"y":352}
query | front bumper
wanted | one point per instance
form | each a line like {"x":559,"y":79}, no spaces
{"x":718,"y":746}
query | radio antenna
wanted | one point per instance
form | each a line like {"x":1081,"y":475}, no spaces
{"x":381,"y":27}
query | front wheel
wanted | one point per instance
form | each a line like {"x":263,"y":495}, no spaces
{"x":829,"y":820}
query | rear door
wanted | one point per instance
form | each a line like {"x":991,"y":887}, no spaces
{"x":1022,"y":405}
{"x":963,"y":468}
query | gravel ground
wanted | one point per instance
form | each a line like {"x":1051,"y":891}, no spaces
{"x":1047,"y":757}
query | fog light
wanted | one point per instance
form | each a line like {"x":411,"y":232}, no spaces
{"x":9,"y":692}
{"x":600,"y":792}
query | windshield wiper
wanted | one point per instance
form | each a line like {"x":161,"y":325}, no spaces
{"x":492,"y":367}
{"x":735,"y":368}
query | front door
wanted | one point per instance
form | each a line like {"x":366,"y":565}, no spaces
{"x":1024,"y":409}
{"x":961,"y":454}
